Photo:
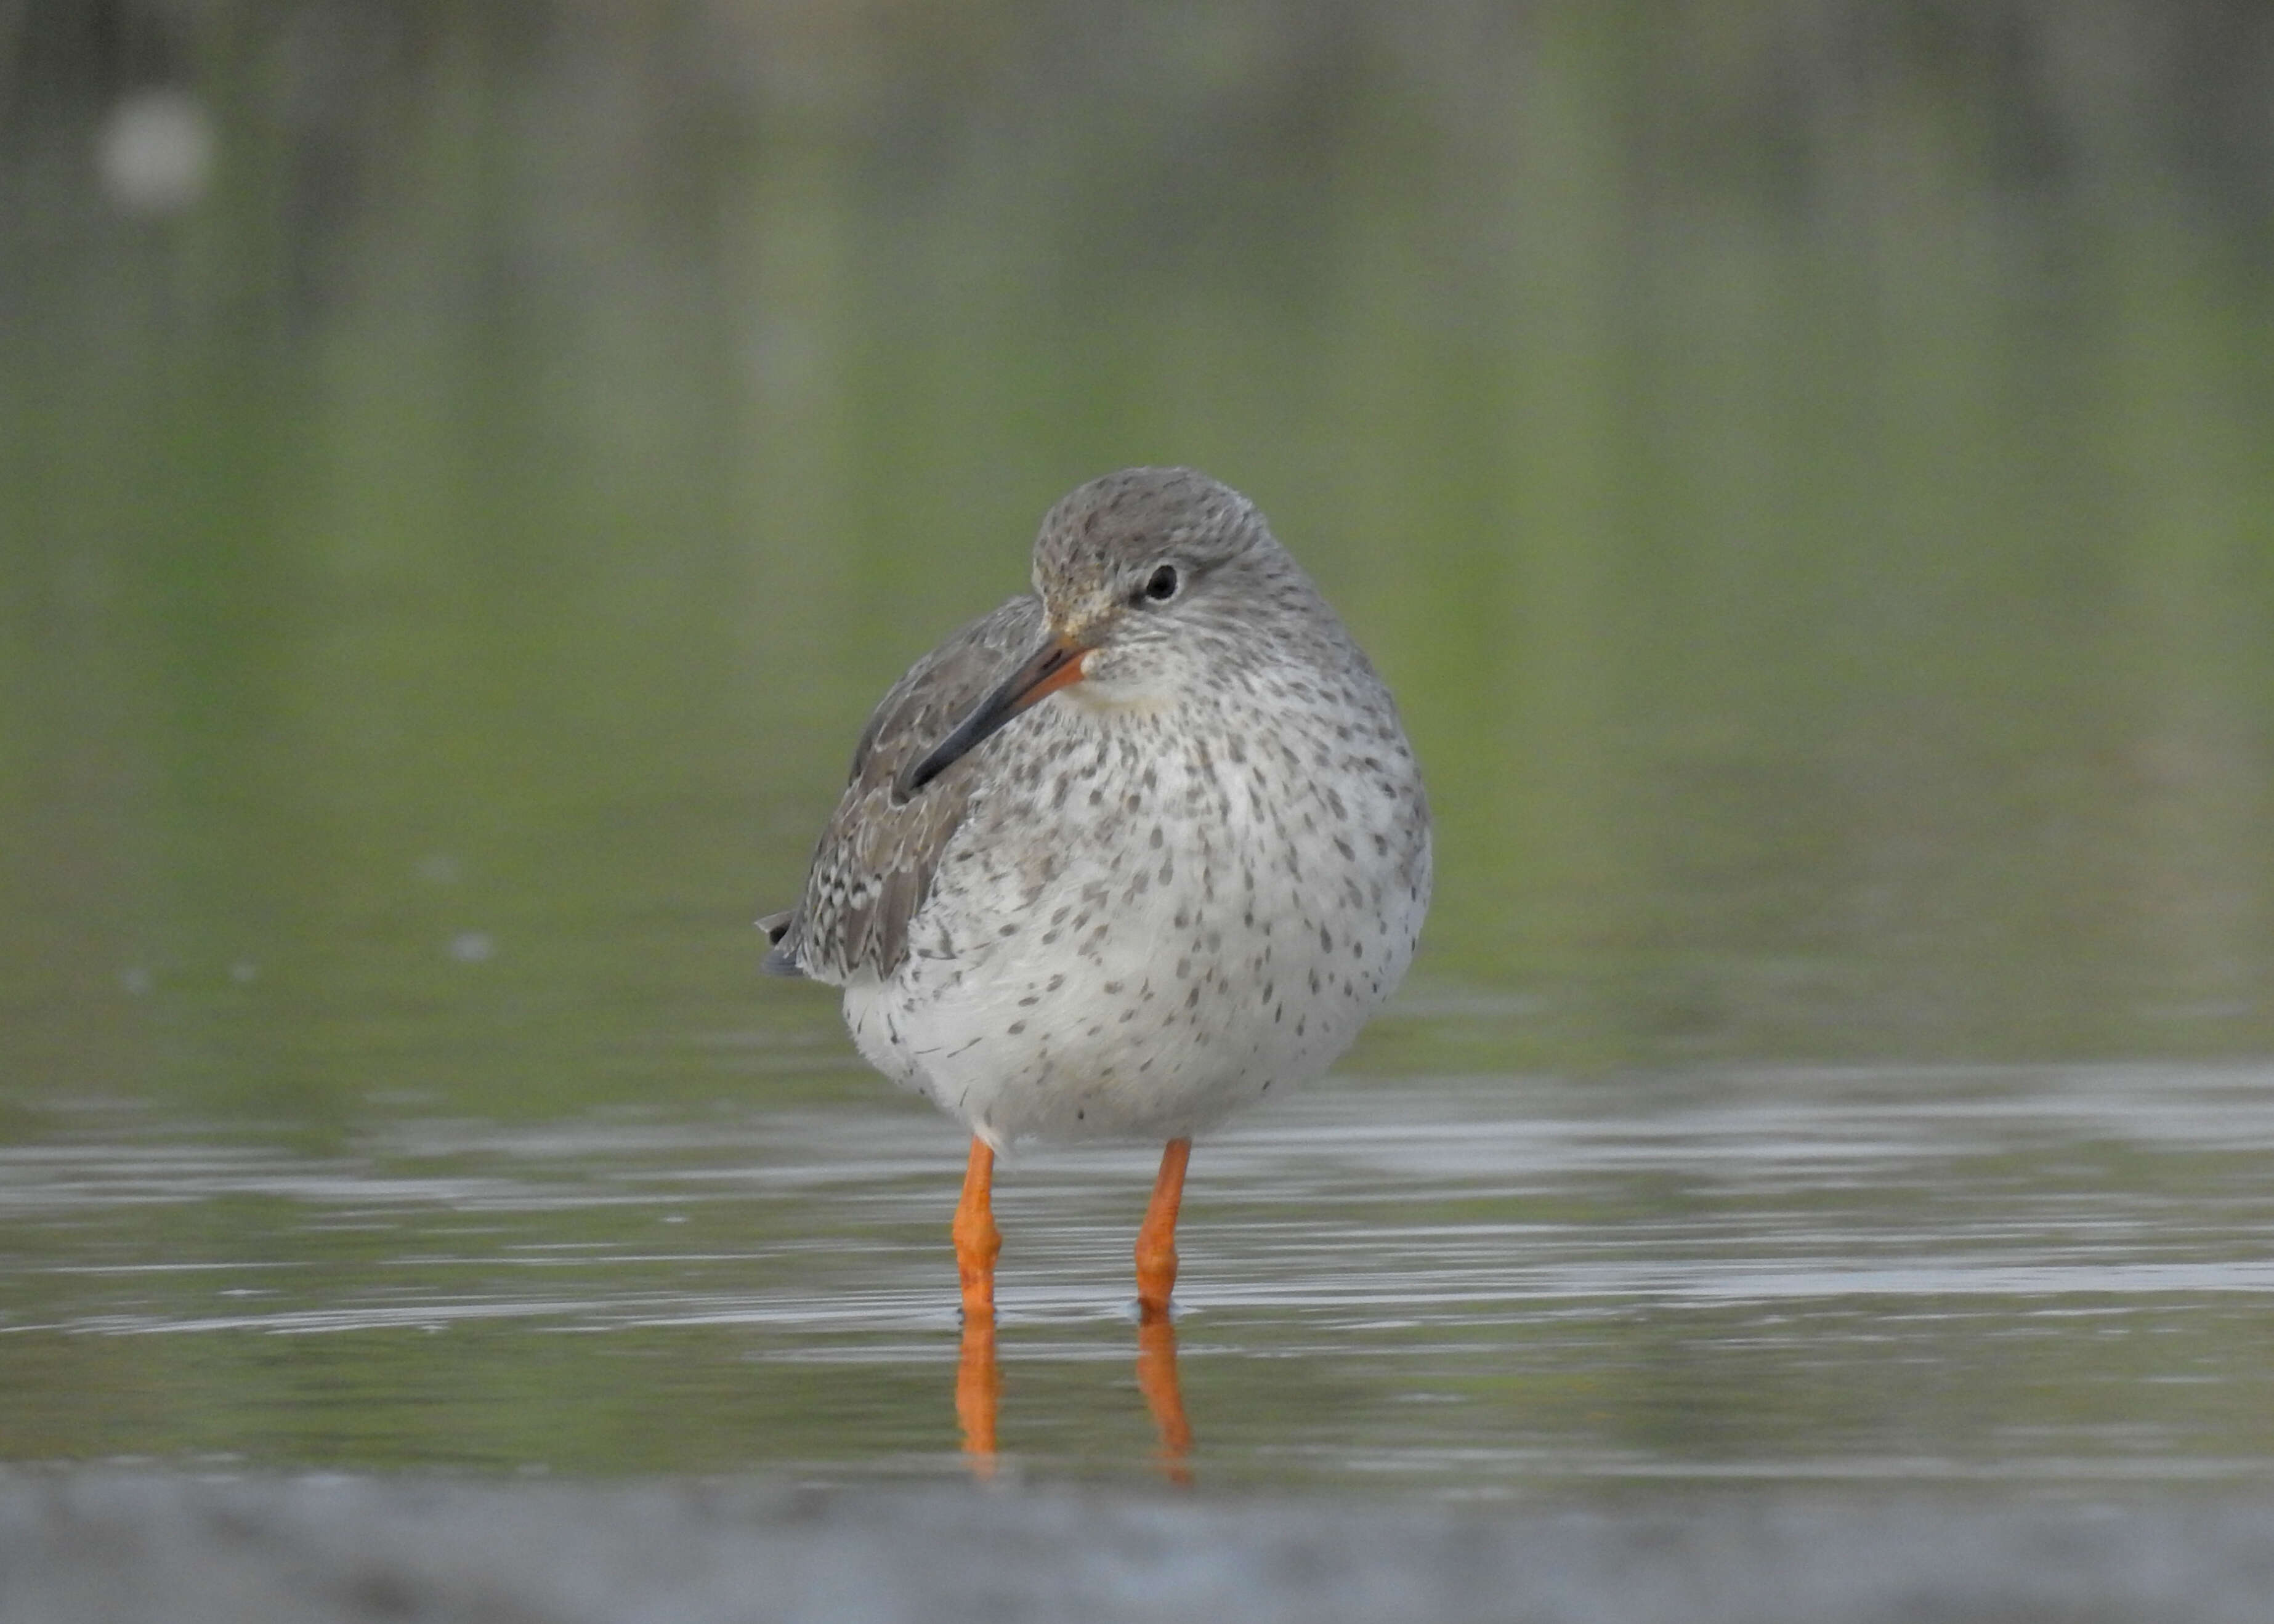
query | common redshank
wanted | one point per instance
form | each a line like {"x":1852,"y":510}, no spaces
{"x":1140,"y":846}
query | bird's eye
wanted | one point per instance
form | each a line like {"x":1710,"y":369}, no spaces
{"x":1162,"y":584}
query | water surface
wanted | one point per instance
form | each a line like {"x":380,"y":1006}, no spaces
{"x":1803,"y":472}
{"x":2054,"y":1278}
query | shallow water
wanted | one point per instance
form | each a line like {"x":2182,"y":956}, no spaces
{"x":1804,"y":481}
{"x":2054,"y":1278}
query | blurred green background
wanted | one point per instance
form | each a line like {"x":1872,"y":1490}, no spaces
{"x":466,"y":471}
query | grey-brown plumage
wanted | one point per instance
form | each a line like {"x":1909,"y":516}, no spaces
{"x":1128,"y":850}
{"x":875,"y":864}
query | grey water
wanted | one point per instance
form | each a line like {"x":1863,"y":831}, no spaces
{"x":2053,"y":1279}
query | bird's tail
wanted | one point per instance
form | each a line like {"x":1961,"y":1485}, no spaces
{"x":780,"y":960}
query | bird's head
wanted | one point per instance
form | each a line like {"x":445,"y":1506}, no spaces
{"x":1139,"y":573}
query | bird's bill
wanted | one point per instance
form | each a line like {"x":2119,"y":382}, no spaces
{"x":1056,"y":665}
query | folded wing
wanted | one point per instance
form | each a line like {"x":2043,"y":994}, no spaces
{"x":873,"y":869}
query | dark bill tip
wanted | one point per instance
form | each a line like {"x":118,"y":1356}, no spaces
{"x":1056,"y":665}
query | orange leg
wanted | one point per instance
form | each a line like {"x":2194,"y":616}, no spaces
{"x":1156,"y":1236}
{"x":978,"y":1381}
{"x":1156,"y":1379}
{"x":978,"y":1243}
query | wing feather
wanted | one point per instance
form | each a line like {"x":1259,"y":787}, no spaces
{"x":872,"y":871}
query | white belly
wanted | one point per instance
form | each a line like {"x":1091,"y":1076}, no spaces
{"x":1151,"y":986}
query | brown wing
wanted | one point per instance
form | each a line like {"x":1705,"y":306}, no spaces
{"x":874,"y":867}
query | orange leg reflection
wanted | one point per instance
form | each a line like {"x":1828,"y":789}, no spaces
{"x":1156,"y":1379}
{"x":978,"y":1392}
{"x":978,"y":1381}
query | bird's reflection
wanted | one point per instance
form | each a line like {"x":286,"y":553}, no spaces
{"x":1156,"y":1379}
{"x":979,"y":1392}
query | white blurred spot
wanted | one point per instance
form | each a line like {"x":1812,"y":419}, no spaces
{"x":245,"y":973}
{"x":154,"y":152}
{"x":135,"y":978}
{"x":474,"y":947}
{"x":439,"y":868}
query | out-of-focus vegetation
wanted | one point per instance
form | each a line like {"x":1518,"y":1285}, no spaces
{"x":466,"y":471}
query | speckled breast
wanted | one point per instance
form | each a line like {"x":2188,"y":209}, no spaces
{"x":1151,"y":917}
